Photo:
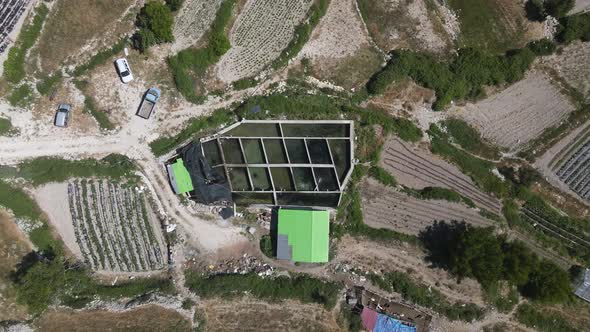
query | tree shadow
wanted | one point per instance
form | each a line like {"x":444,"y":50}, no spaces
{"x":438,"y":240}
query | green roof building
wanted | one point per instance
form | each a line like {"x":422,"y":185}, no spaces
{"x":303,"y":235}
{"x":179,"y":177}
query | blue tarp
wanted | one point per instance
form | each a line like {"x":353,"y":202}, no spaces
{"x":389,"y":324}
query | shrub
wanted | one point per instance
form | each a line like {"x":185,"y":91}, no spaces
{"x":542,"y":47}
{"x":100,"y":57}
{"x":156,"y":18}
{"x":174,"y":5}
{"x":21,"y":96}
{"x":47,"y":83}
{"x":144,"y":39}
{"x":441,"y":194}
{"x":558,"y":8}
{"x":266,"y":246}
{"x":5,"y":127}
{"x":543,"y":321}
{"x":469,"y":139}
{"x":548,"y":283}
{"x":382,"y":176}
{"x":575,"y":27}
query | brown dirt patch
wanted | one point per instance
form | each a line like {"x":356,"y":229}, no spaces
{"x":77,"y":27}
{"x":521,"y":112}
{"x":572,"y":64}
{"x":403,"y":96}
{"x":416,"y":167}
{"x":254,"y":315}
{"x":148,"y":318}
{"x":385,"y":207}
{"x":13,"y":246}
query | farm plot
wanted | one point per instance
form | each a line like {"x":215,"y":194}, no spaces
{"x":573,"y":65}
{"x":255,"y":315}
{"x":192,"y":21}
{"x":575,"y":170}
{"x":339,"y":47}
{"x":422,"y":25}
{"x":261,"y":32}
{"x":416,"y":167}
{"x":114,"y":228}
{"x":384,"y":207}
{"x":520,"y":113}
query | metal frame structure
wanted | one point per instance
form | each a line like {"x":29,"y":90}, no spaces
{"x":341,"y":183}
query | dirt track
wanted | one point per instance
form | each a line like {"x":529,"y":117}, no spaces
{"x":416,"y":167}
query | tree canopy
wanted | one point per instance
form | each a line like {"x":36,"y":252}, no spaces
{"x":155,"y":22}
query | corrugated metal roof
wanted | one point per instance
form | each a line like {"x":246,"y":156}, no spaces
{"x":583,"y":289}
{"x":307,"y":232}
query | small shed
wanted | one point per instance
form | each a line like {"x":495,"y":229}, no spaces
{"x":303,"y":235}
{"x":583,"y":287}
{"x":179,"y":177}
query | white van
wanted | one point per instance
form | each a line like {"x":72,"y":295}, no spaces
{"x":124,"y":70}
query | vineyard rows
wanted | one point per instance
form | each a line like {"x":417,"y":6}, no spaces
{"x":575,"y":172}
{"x":385,"y":207}
{"x":419,"y":169}
{"x":261,"y":32}
{"x":570,"y":239}
{"x":112,"y":227}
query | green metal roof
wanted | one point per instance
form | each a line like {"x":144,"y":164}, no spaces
{"x":182,"y":177}
{"x":307,"y":232}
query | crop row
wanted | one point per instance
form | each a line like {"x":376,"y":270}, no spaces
{"x":575,"y":172}
{"x":112,"y":226}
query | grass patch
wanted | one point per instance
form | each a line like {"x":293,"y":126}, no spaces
{"x":5,"y":127}
{"x":422,"y":295}
{"x":101,"y":117}
{"x":302,"y":33}
{"x":100,"y":58}
{"x":48,"y":82}
{"x":383,"y":176}
{"x":245,"y":83}
{"x":191,"y":62}
{"x":266,"y":246}
{"x":504,"y":303}
{"x":469,"y":139}
{"x":542,"y":321}
{"x":300,"y":287}
{"x":439,"y":193}
{"x":14,"y":70}
{"x":21,"y":96}
{"x":50,"y":169}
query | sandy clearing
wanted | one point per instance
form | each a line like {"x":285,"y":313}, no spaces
{"x":385,"y":207}
{"x":520,"y":113}
{"x":573,"y":65}
{"x":416,"y":167}
{"x":192,"y":21}
{"x":262,"y":30}
{"x":53,"y":200}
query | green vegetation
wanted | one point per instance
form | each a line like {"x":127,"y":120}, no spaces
{"x":21,"y":96}
{"x":191,"y":62}
{"x":5,"y":127}
{"x":539,"y":9}
{"x":245,"y":83}
{"x":300,"y":287}
{"x":484,"y":25}
{"x":502,"y":303}
{"x":348,"y":320}
{"x":478,"y":169}
{"x":48,"y":83}
{"x":266,"y":246}
{"x":19,"y":202}
{"x":542,"y":47}
{"x":174,"y":5}
{"x":382,"y":176}
{"x":101,"y":117}
{"x":439,"y":193}
{"x":468,"y":251}
{"x":155,"y":22}
{"x":100,"y":58}
{"x":422,"y":295}
{"x":464,"y":77}
{"x":575,"y":27}
{"x":302,"y":33}
{"x":14,"y":70}
{"x":49,"y":169}
{"x":542,"y":321}
{"x":469,"y":139}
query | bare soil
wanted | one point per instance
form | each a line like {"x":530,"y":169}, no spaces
{"x":13,"y":246}
{"x":75,"y":28}
{"x":340,"y":49}
{"x":192,"y":21}
{"x":254,"y":315}
{"x":520,"y":113}
{"x":416,"y":167}
{"x":385,"y":207}
{"x":403,"y":96}
{"x":573,"y":65}
{"x":148,"y":318}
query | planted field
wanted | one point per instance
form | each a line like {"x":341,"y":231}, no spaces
{"x":573,"y":168}
{"x":339,"y":49}
{"x":520,"y":113}
{"x":385,"y":207}
{"x":573,"y":65}
{"x":114,"y":228}
{"x":422,"y":25}
{"x":417,"y":168}
{"x":192,"y":21}
{"x":261,"y":32}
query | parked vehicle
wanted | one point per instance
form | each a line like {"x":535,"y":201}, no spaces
{"x":124,"y":70}
{"x":62,"y":116}
{"x":148,"y":103}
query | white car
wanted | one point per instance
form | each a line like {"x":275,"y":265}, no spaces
{"x":124,"y":70}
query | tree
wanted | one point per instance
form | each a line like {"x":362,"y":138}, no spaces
{"x":558,"y":8}
{"x":548,"y":283}
{"x":157,"y":17}
{"x":143,"y":39}
{"x":519,"y":262}
{"x":174,"y":5}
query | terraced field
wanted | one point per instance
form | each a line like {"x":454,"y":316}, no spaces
{"x":573,"y":65}
{"x":261,"y":32}
{"x":192,"y":21}
{"x":416,"y":167}
{"x":113,"y":227}
{"x":385,"y":207}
